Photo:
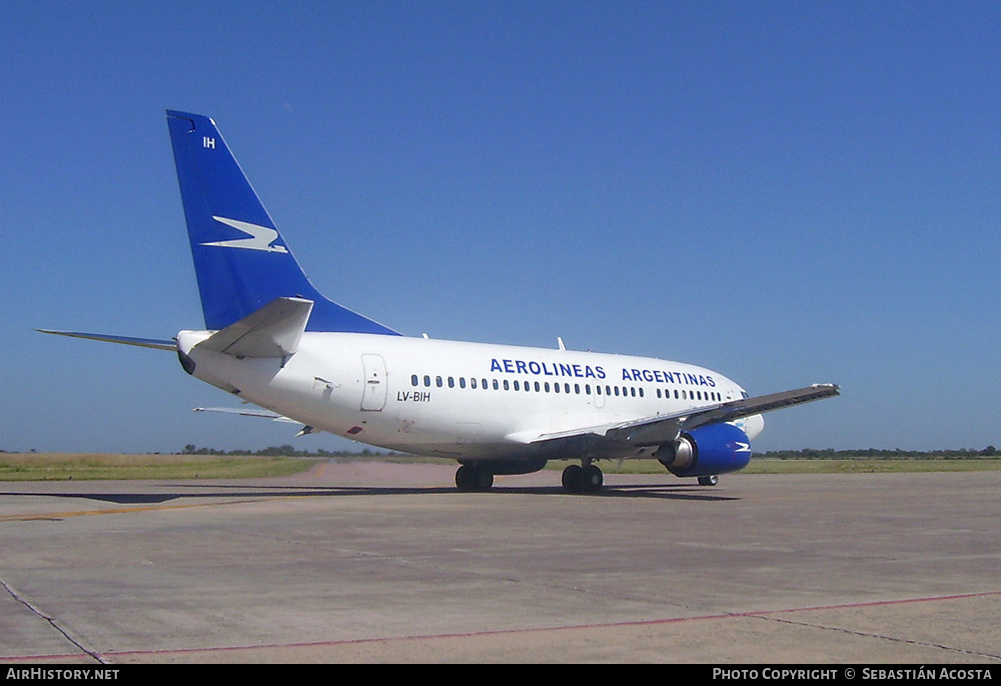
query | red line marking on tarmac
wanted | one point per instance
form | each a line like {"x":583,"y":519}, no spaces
{"x":474,"y":634}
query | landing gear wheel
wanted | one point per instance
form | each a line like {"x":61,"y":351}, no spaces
{"x":593,"y":479}
{"x":708,"y":480}
{"x":577,"y":479}
{"x":573,"y":479}
{"x":472,"y":479}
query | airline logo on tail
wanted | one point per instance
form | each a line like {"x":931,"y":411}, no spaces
{"x":261,"y":237}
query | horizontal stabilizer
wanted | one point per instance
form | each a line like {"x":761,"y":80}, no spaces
{"x":158,"y":343}
{"x":263,"y":414}
{"x":272,"y":331}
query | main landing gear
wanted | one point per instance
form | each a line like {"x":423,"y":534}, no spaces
{"x":470,"y":478}
{"x":585,"y":478}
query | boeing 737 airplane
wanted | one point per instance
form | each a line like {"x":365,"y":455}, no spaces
{"x":275,"y":342}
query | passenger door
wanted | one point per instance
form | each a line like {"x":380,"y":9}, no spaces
{"x":373,"y":397}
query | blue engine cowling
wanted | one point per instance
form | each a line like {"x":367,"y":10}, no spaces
{"x":707,"y":451}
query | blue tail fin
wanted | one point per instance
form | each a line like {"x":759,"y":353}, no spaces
{"x":241,"y":261}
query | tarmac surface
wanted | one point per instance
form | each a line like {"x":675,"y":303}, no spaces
{"x":379,"y":562}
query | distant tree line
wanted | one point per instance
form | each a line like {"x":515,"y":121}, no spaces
{"x":898,"y":454}
{"x":283,"y":451}
{"x":804,"y":454}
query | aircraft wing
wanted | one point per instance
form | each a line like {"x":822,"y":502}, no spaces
{"x":661,"y":429}
{"x":658,"y":430}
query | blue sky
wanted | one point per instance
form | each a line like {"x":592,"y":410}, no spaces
{"x":787,"y":193}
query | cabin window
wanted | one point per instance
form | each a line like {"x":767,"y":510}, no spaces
{"x":438,"y":382}
{"x":413,"y":380}
{"x":506,"y":385}
{"x":451,"y":382}
{"x":427,"y":381}
{"x":462,"y":382}
{"x":496,"y":385}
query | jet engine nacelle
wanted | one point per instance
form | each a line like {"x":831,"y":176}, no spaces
{"x":707,"y":451}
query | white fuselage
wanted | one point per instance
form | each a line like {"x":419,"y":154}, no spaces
{"x":457,"y":399}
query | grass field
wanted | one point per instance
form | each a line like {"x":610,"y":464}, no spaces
{"x":92,"y":466}
{"x":861,"y":465}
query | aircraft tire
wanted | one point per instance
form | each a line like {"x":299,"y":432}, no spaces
{"x":471,"y":479}
{"x":708,"y":480}
{"x":592,"y":479}
{"x":573,"y":479}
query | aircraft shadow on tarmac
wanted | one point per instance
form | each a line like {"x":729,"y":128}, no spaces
{"x":245,"y":492}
